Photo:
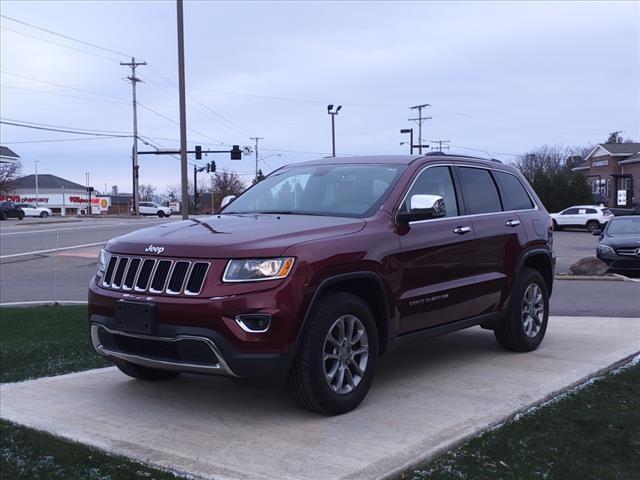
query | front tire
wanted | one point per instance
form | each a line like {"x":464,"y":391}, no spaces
{"x":145,"y":373}
{"x":556,"y":227}
{"x":525,"y":324}
{"x":160,"y":213}
{"x":335,"y":366}
{"x":21,"y":216}
{"x":44,"y":214}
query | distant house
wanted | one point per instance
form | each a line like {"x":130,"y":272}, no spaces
{"x":613,"y":170}
{"x":7,"y":155}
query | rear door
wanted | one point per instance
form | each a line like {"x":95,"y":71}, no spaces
{"x":436,"y":258}
{"x":499,"y":233}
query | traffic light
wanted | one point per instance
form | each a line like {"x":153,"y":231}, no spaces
{"x":198,"y":152}
{"x":236,"y":153}
{"x":211,"y":167}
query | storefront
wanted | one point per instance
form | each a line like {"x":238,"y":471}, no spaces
{"x":613,"y":171}
{"x":63,"y":197}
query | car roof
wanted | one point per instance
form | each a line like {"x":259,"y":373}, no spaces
{"x":585,"y":206}
{"x":395,"y":159}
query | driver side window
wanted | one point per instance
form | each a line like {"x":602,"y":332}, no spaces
{"x":435,"y":181}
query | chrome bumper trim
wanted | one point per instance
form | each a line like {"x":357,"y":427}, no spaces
{"x":221,"y":368}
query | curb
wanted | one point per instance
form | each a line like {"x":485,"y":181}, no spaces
{"x":609,"y":278}
{"x":43,"y":303}
{"x":47,"y":222}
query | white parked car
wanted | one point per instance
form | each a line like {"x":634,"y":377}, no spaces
{"x":591,"y":217}
{"x":150,"y":208}
{"x":33,"y":211}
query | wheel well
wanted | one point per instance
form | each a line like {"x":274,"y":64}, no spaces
{"x":542,"y":263}
{"x":371,"y":292}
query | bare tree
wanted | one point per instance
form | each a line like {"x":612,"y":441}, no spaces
{"x":544,"y":160}
{"x":225,"y":183}
{"x":147,"y":192}
{"x":8,"y":173}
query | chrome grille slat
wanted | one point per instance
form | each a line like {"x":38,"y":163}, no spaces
{"x":629,"y":251}
{"x":168,"y":276}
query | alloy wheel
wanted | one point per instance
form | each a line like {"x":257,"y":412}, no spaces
{"x":345,"y":354}
{"x":532,"y":310}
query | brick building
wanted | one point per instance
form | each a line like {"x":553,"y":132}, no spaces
{"x":613,"y":171}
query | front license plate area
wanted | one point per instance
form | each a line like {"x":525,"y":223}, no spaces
{"x":135,"y":317}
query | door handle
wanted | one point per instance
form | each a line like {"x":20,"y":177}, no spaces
{"x":513,"y":223}
{"x":461,"y":230}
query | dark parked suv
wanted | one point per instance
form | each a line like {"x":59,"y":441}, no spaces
{"x":322,"y":267}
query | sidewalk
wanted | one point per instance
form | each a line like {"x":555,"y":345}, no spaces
{"x":427,"y":397}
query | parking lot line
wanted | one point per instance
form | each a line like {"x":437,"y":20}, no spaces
{"x":51,"y":250}
{"x":63,"y":229}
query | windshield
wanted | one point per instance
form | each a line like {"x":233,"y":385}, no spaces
{"x":329,"y":190}
{"x":624,"y":226}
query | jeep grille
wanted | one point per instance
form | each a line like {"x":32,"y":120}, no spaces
{"x":173,"y":277}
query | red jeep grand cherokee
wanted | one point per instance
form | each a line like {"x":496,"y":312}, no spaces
{"x":322,"y":267}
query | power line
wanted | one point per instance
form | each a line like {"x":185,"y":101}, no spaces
{"x":65,"y":95}
{"x":40,"y":124}
{"x":67,"y":37}
{"x":442,"y":144}
{"x":64,"y":140}
{"x":61,"y":85}
{"x":58,"y":44}
{"x":61,"y":130}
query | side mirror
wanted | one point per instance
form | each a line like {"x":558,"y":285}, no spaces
{"x":227,"y":200}
{"x":597,"y":233}
{"x":423,"y":207}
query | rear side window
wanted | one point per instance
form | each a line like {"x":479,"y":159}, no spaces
{"x":479,"y":191}
{"x":591,"y":210}
{"x":514,"y":195}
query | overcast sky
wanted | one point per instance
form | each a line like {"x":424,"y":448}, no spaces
{"x":503,"y":77}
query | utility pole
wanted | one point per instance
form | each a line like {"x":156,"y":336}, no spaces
{"x":37,"y":194}
{"x":442,"y":144}
{"x":256,"y":140}
{"x":420,"y":120}
{"x":183,"y":113}
{"x":134,"y":153}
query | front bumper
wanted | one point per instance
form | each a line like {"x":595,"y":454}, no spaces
{"x":185,"y":349}
{"x":620,"y":263}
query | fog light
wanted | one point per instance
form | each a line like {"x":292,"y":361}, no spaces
{"x":254,"y":322}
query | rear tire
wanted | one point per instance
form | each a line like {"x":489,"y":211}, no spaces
{"x":145,"y":373}
{"x":160,"y":213}
{"x":525,"y":324}
{"x":329,"y":376}
{"x":3,"y":215}
{"x":20,"y":215}
{"x":593,"y":225}
{"x":44,"y":214}
{"x":556,"y":226}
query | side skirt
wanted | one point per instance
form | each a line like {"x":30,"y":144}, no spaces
{"x":487,"y":321}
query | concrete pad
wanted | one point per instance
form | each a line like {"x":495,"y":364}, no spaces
{"x":427,"y":397}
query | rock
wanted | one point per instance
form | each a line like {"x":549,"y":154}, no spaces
{"x":589,"y":266}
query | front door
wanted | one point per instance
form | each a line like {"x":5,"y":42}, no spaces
{"x":436,"y":259}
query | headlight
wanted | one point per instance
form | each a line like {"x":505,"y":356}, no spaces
{"x":605,"y":249}
{"x":254,"y":269}
{"x":103,"y":260}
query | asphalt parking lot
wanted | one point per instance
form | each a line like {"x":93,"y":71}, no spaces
{"x":54,"y":259}
{"x":427,"y":397}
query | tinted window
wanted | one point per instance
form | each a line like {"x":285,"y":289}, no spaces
{"x":514,"y":195}
{"x":479,"y":191}
{"x":591,"y":210}
{"x":570,"y":211}
{"x":435,"y":181}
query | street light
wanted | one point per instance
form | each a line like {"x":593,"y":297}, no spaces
{"x":410,"y":132}
{"x":333,"y":126}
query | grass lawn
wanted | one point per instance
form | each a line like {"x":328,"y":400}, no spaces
{"x":40,"y":342}
{"x":590,"y":433}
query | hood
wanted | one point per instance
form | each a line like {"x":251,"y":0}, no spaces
{"x":622,"y":240}
{"x":225,"y":236}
